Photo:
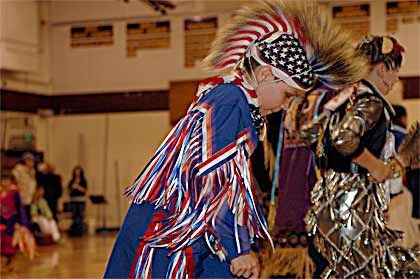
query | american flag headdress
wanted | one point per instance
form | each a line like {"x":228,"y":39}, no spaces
{"x":328,"y":50}
{"x":287,"y":58}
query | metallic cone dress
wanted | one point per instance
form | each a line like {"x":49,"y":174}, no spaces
{"x":346,"y":217}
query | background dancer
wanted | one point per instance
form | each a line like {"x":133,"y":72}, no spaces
{"x":348,"y":202}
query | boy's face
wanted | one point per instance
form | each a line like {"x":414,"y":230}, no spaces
{"x":276,"y":96}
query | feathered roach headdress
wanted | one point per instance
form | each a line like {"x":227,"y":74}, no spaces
{"x":270,"y":29}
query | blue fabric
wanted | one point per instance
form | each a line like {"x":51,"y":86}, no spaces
{"x":230,"y":115}
{"x":207,"y":265}
{"x":399,"y":137}
{"x":135,"y":225}
{"x":224,"y":230}
{"x":213,"y":268}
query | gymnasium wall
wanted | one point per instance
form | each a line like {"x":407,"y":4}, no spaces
{"x":25,"y":46}
{"x":108,"y":68}
{"x":112,"y":148}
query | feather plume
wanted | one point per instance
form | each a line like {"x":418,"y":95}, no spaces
{"x":330,"y":49}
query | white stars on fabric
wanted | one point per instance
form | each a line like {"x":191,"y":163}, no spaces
{"x":286,"y":54}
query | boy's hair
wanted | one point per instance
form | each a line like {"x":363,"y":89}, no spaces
{"x":250,"y":65}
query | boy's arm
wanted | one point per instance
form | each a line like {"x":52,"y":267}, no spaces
{"x":225,"y":230}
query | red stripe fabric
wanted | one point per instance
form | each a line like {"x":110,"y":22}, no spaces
{"x":255,"y":23}
{"x":273,"y":24}
{"x":281,"y":22}
{"x":246,"y":32}
{"x":249,"y":39}
{"x":149,"y":231}
{"x":190,"y":261}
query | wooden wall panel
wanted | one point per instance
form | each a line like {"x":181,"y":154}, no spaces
{"x":85,"y":103}
{"x":23,"y":102}
{"x":181,"y":94}
{"x":411,"y":87}
{"x":177,"y":100}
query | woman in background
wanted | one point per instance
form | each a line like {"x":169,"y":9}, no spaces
{"x":347,"y":218}
{"x":77,"y":187}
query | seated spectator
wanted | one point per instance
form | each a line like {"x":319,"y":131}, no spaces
{"x":42,"y":215}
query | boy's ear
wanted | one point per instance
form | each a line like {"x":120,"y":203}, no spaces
{"x":264,"y":73}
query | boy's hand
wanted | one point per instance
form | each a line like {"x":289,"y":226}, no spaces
{"x":246,"y":266}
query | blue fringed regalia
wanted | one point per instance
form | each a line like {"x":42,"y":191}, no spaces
{"x":194,"y":199}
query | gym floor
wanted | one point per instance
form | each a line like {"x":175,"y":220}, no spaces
{"x":83,"y":257}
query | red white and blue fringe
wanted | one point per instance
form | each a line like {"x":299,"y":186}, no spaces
{"x":189,"y":187}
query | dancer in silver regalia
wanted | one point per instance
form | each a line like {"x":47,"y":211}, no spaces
{"x":354,"y":152}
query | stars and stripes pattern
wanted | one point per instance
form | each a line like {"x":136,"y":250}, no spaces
{"x":330,"y":51}
{"x":239,"y":42}
{"x":287,"y":55}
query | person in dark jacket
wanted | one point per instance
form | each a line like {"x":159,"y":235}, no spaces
{"x":77,"y":187}
{"x":52,"y":185}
